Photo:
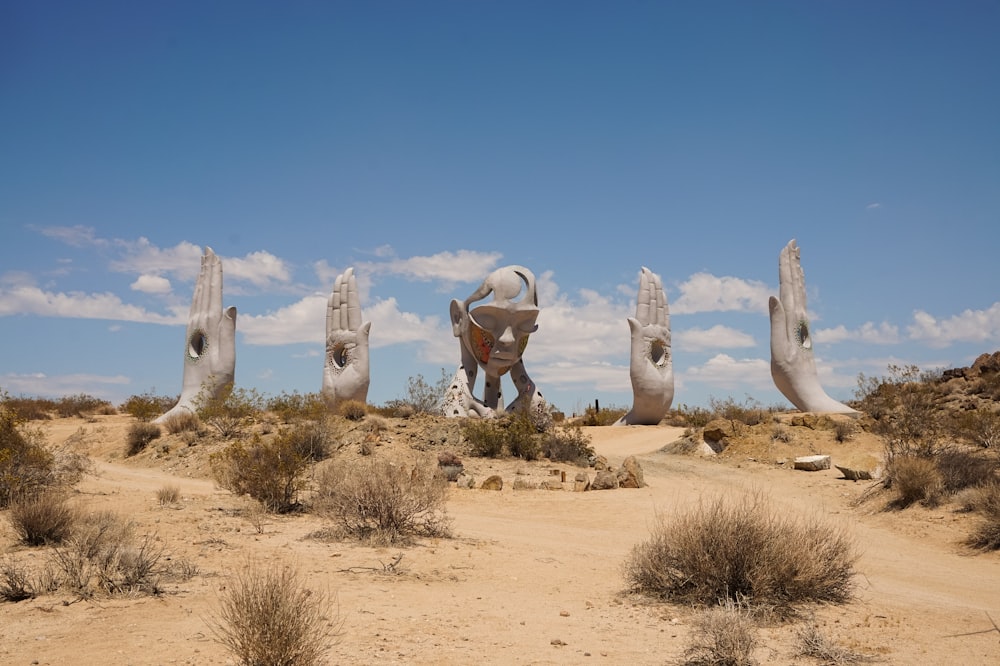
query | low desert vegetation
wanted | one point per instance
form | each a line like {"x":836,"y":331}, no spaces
{"x":181,"y":422}
{"x":104,"y":555}
{"x":16,"y":583}
{"x":567,"y":444}
{"x":27,"y":467}
{"x":814,"y":644}
{"x":508,"y":435}
{"x":595,"y":415}
{"x":267,"y":615}
{"x":725,"y":635}
{"x":139,"y":436}
{"x":353,"y":410}
{"x":986,"y":535}
{"x":231,"y":412}
{"x":270,"y":471}
{"x":167,"y":495}
{"x":42,"y":519}
{"x":383,"y":502}
{"x":295,"y":407}
{"x":147,"y":406}
{"x":310,"y":440}
{"x":420,"y":397}
{"x":741,"y":549}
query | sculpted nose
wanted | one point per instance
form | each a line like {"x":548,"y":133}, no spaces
{"x":507,"y":338}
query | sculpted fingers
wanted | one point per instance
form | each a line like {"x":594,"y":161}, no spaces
{"x":353,"y":301}
{"x":645,"y":299}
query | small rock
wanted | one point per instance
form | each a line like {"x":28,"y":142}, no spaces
{"x":812,"y":463}
{"x":855,"y":474}
{"x":557,"y":642}
{"x":495,"y":482}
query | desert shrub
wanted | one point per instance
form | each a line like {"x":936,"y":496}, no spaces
{"x":82,"y":404}
{"x":980,"y":427}
{"x":139,"y":436}
{"x":844,"y":431}
{"x":270,"y":472}
{"x":29,"y":409}
{"x":26,"y":466}
{"x":421,"y":397}
{"x":961,"y":468}
{"x":986,"y":535}
{"x":913,"y":479}
{"x":383,"y":502}
{"x":742,"y":549}
{"x":230,"y":412}
{"x":168,"y":495}
{"x":295,"y":406}
{"x":978,"y":498}
{"x":41,"y":519}
{"x":725,"y":635}
{"x":594,"y":416}
{"x":353,"y":410}
{"x":780,"y":433}
{"x":904,"y":410}
{"x":814,"y":644}
{"x":749,"y":412}
{"x":267,"y":615}
{"x":147,"y":406}
{"x":310,"y":440}
{"x":182,"y":422}
{"x":104,"y":555}
{"x":15,"y":582}
{"x":691,"y":417}
{"x":510,"y":434}
{"x":568,"y":444}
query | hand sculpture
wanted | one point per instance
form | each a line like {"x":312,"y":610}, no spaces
{"x":651,"y":367}
{"x":793,"y":366}
{"x":493,"y":337}
{"x":346,"y":371}
{"x":210,"y":353}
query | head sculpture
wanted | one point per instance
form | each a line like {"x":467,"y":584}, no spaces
{"x":494,"y":335}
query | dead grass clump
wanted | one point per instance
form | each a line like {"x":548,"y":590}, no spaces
{"x":139,"y":436}
{"x":104,"y":555}
{"x":310,"y":440}
{"x":568,"y":444}
{"x":182,"y":422}
{"x":844,"y":431}
{"x":986,"y":536}
{"x":511,"y":434}
{"x":744,"y":550}
{"x":15,"y":582}
{"x":725,"y":635}
{"x":382,"y":502}
{"x":353,"y":410}
{"x":595,"y":416}
{"x":168,"y":495}
{"x":268,"y":616}
{"x":780,"y":433}
{"x":914,"y":478}
{"x":45,"y":518}
{"x":963,"y":468}
{"x":813,"y":643}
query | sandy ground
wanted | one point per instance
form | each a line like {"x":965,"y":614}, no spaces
{"x":530,"y":577}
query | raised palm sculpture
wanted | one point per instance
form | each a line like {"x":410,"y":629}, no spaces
{"x":493,"y":337}
{"x":793,"y":366}
{"x":651,"y":366}
{"x":346,"y":368}
{"x":210,"y":341}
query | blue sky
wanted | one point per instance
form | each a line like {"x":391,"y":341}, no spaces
{"x":427,"y":143}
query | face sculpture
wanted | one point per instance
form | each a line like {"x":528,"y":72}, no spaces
{"x":495,"y":334}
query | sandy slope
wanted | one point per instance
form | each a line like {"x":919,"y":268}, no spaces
{"x":531,"y":577}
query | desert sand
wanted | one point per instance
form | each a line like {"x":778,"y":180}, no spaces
{"x":529,"y":577}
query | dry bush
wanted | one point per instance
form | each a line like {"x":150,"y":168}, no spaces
{"x":168,"y":495}
{"x":594,"y":416}
{"x":986,"y":535}
{"x":740,"y":548}
{"x":813,"y":643}
{"x":353,"y":410}
{"x":913,"y":479}
{"x":725,"y":635}
{"x":780,"y":433}
{"x":977,"y":498}
{"x":268,"y":616}
{"x":980,"y":427}
{"x":82,"y":404}
{"x":293,"y":407}
{"x":311,"y":440}
{"x":844,"y":431}
{"x":182,"y":422}
{"x":29,"y":409}
{"x":271,"y":472}
{"x":510,"y":434}
{"x":147,"y":406}
{"x":568,"y":444}
{"x":104,"y":555}
{"x":26,"y":466}
{"x":139,"y":436}
{"x":750,"y":412}
{"x":383,"y":502}
{"x":961,"y":468}
{"x":231,"y":411}
{"x":15,"y":582}
{"x":42,"y":519}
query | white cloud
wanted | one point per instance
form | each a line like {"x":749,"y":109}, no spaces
{"x":716,"y":337}
{"x":871,"y":333}
{"x":28,"y":299}
{"x":448,"y":267}
{"x":258,"y":268}
{"x":873,"y":205}
{"x":596,"y":375}
{"x":77,"y":236}
{"x":724,"y":371}
{"x":151,"y":284}
{"x":969,"y":326}
{"x":40,"y":384}
{"x":704,"y":292}
{"x":302,"y":321}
